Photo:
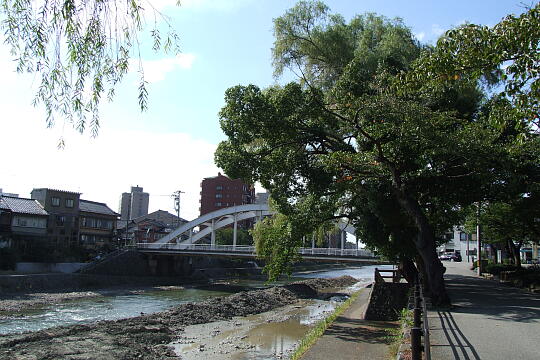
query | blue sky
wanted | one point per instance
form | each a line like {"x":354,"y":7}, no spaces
{"x":170,"y":146}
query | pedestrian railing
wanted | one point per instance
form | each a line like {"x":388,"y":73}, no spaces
{"x":420,"y":330}
{"x":395,"y":275}
{"x":95,"y":263}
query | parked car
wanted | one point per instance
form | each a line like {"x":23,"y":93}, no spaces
{"x":455,"y":257}
{"x":445,"y":257}
{"x":450,"y":257}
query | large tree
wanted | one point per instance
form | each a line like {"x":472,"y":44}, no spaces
{"x":80,"y":51}
{"x":346,"y":142}
{"x":321,"y":145}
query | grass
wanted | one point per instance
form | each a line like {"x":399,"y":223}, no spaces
{"x":395,"y":335}
{"x":311,"y":337}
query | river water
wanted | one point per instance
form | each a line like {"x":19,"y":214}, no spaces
{"x":123,"y":306}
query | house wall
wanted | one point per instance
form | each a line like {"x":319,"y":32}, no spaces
{"x":221,"y":192}
{"x":96,"y":230}
{"x":457,"y":242}
{"x":28,"y":224}
{"x":63,"y":209}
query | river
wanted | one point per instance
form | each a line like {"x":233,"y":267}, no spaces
{"x":269,"y":337}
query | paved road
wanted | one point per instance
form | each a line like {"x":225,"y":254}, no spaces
{"x":488,"y":321}
{"x":351,"y":337}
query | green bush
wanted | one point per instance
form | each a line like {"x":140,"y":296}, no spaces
{"x":496,"y":269}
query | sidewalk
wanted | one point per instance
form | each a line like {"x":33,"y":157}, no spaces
{"x":487,"y":320}
{"x":350,"y":337}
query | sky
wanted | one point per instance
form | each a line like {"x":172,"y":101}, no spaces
{"x":170,"y":146}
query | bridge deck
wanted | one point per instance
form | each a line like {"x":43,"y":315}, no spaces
{"x":248,"y":252}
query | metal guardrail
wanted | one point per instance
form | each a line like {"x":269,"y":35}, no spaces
{"x":103,"y":259}
{"x":251,"y":249}
{"x":396,"y":275}
{"x":420,"y":329}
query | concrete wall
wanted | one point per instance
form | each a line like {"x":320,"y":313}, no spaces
{"x":128,"y":263}
{"x":38,"y":268}
{"x":74,"y":282}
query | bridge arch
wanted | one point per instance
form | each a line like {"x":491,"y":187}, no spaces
{"x":214,"y":221}
{"x":184,"y":235}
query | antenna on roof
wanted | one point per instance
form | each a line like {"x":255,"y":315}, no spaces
{"x":176,"y":197}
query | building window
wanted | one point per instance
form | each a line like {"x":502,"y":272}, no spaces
{"x":69,"y":203}
{"x":218,"y":204}
{"x":219,"y":188}
{"x":60,"y":220}
{"x":463,"y":236}
{"x":55,"y":201}
{"x":219,"y":196}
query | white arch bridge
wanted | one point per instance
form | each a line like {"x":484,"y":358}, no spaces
{"x":186,"y":240}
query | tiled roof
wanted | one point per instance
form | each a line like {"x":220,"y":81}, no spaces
{"x":95,"y":207}
{"x":159,"y":215}
{"x":22,"y":205}
{"x":3,"y":206}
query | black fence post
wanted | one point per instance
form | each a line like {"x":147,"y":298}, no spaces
{"x":416,"y":343}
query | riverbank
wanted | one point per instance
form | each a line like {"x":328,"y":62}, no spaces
{"x":149,"y":336}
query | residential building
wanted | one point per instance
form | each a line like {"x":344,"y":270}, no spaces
{"x":23,"y":223}
{"x":458,"y":241}
{"x":220,"y":191}
{"x":134,"y":204}
{"x":63,"y":209}
{"x":262,"y":198}
{"x":160,"y":222}
{"x":97,"y":224}
{"x":149,"y":231}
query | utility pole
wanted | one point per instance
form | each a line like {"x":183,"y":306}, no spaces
{"x":478,"y":240}
{"x":176,"y":197}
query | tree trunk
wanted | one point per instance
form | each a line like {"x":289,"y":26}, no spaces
{"x":408,"y":270}
{"x":426,"y":247}
{"x":514,"y":250}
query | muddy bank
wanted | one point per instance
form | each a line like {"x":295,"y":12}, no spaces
{"x":148,"y":336}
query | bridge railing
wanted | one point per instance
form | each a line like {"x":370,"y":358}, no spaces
{"x":251,"y":249}
{"x":336,"y":252}
{"x":198,"y":247}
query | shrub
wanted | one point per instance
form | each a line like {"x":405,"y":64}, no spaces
{"x":496,"y":269}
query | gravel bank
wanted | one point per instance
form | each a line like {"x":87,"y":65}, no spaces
{"x":147,"y":336}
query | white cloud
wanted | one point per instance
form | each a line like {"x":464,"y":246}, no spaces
{"x":420,"y":36}
{"x":156,"y":70}
{"x":104,"y":167}
{"x":437,"y":30}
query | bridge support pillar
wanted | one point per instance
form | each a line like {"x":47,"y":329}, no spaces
{"x":235,"y":231}
{"x":213,"y":235}
{"x":343,"y":237}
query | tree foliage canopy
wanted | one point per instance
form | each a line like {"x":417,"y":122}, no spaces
{"x":346,"y":142}
{"x":80,"y":50}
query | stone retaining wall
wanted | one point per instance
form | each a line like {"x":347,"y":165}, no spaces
{"x":386,"y":301}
